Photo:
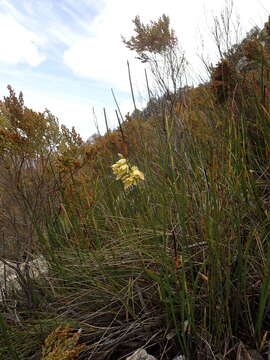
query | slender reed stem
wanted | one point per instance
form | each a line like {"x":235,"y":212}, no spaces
{"x":106,"y":121}
{"x":119,"y":123}
{"x":147,"y":84}
{"x":131,"y":87}
{"x":117,"y":105}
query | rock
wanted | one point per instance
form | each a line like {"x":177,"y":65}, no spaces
{"x":9,"y":277}
{"x":141,"y":354}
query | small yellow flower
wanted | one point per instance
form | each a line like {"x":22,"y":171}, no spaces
{"x":121,"y":171}
{"x":121,"y":162}
{"x":118,"y":164}
{"x":137,"y":173}
{"x":129,"y":182}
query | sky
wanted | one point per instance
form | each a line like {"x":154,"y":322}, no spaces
{"x":67,"y":55}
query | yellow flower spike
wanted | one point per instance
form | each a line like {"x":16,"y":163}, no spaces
{"x":128,"y":175}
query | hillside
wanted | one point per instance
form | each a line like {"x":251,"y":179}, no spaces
{"x":155,"y":235}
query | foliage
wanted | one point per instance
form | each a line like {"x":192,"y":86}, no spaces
{"x":157,"y":45}
{"x":61,"y":344}
{"x":24,"y":131}
{"x":157,"y":38}
{"x":38,"y":161}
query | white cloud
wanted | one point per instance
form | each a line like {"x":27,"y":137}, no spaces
{"x":18,"y":45}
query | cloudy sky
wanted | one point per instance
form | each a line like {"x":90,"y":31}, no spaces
{"x":66,"y":55}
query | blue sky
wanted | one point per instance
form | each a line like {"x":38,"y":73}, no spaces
{"x":66,"y":55}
